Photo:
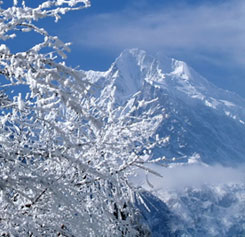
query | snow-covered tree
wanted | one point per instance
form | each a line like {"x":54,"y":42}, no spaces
{"x":64,"y":159}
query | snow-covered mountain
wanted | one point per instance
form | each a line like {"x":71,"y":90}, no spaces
{"x":202,"y":191}
{"x":200,"y":119}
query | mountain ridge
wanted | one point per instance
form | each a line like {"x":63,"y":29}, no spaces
{"x":200,"y":118}
{"x":135,"y":64}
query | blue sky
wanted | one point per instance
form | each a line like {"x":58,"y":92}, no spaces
{"x":207,"y":34}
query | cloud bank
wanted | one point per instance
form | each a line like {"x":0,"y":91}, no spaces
{"x":180,"y":177}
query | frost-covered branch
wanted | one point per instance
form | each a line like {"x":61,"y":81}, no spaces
{"x":65,"y":158}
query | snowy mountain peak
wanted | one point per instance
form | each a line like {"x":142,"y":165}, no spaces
{"x":126,"y":72}
{"x":134,"y":67}
{"x":131,"y":58}
{"x":134,"y":57}
{"x":200,"y":118}
{"x":137,"y":63}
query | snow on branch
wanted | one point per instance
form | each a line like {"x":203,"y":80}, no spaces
{"x":65,"y":158}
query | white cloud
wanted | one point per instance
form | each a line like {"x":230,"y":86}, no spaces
{"x":210,"y":28}
{"x":180,"y":177}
